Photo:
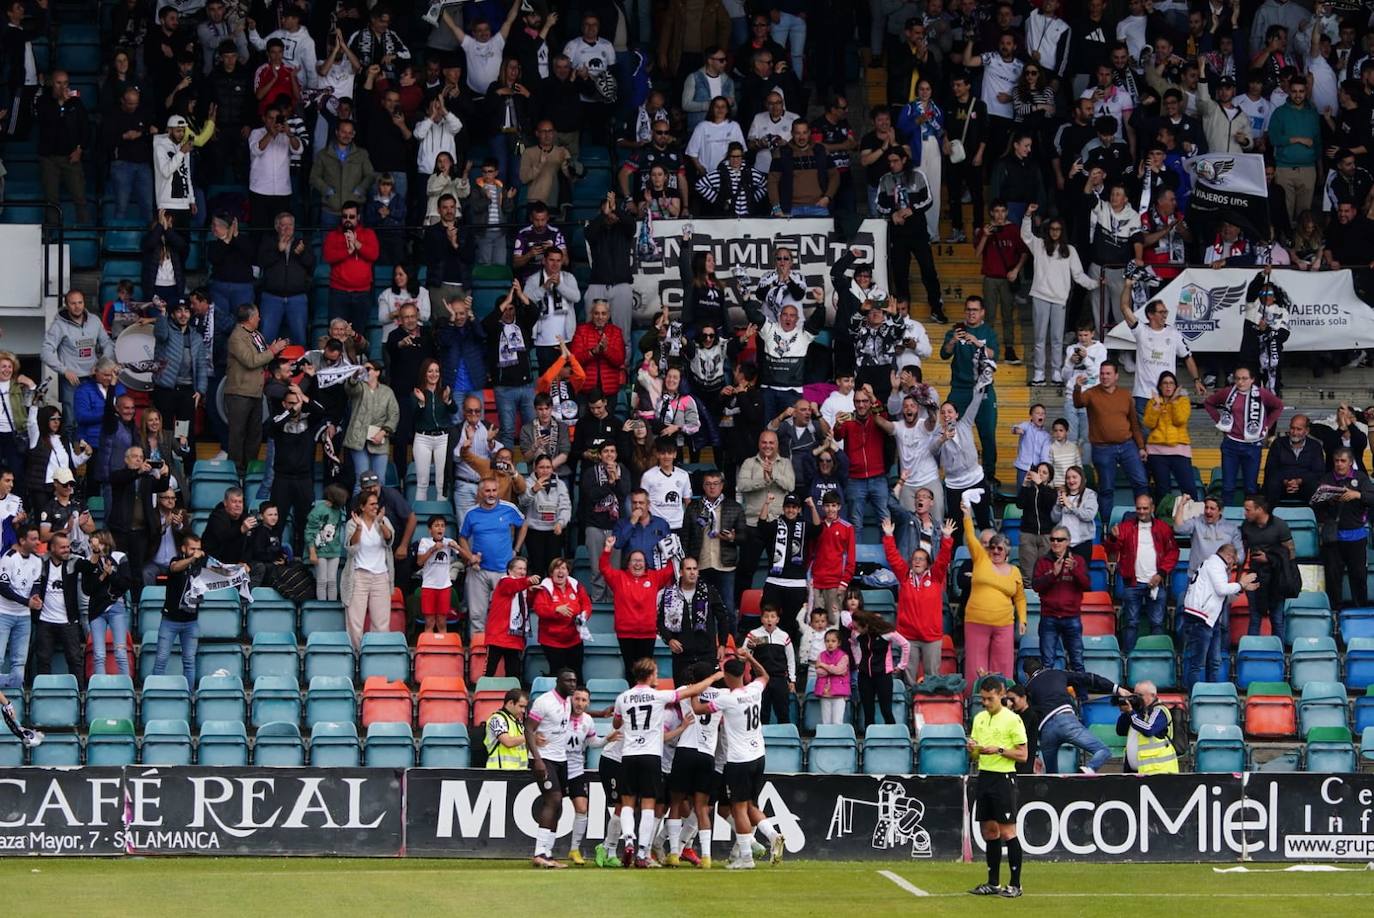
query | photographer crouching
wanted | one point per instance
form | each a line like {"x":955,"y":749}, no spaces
{"x":1149,"y":730}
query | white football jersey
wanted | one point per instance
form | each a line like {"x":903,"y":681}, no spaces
{"x":743,"y":712}
{"x":703,"y":733}
{"x":672,"y":719}
{"x":640,"y":710}
{"x":581,"y":735}
{"x":551,"y":716}
{"x":668,"y":494}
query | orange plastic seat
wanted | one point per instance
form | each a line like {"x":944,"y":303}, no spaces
{"x":444,"y":700}
{"x":949,"y":660}
{"x":750,"y":602}
{"x":439,"y":655}
{"x":385,"y":702}
{"x":940,"y":709}
{"x":1271,"y":716}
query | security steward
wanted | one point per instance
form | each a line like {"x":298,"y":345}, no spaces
{"x":505,"y":740}
{"x":1149,"y":730}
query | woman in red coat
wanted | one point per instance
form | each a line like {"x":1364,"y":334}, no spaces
{"x":600,"y":347}
{"x":921,"y":598}
{"x":563,"y":607}
{"x":508,"y":620}
{"x":636,"y":603}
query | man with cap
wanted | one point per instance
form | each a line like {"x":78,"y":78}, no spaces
{"x":402,"y":517}
{"x":1225,"y":127}
{"x":172,"y":188}
{"x":65,"y":514}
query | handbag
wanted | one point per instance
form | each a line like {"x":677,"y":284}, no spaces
{"x":957,"y":153}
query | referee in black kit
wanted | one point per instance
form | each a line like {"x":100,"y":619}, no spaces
{"x":998,"y":743}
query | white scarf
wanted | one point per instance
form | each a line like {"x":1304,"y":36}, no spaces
{"x":328,"y":377}
{"x":582,"y":630}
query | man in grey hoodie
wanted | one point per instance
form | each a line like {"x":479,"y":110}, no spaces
{"x":71,"y":346}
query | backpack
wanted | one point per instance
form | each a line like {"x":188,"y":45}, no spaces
{"x":296,"y":582}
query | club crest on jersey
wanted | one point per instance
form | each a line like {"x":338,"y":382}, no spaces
{"x":1200,"y":308}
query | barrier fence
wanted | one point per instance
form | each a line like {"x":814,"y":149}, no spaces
{"x":371,"y":812}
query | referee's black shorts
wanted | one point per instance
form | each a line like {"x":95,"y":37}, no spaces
{"x":744,"y":780}
{"x":996,"y":798}
{"x":609,"y":770}
{"x":641,"y":776}
{"x":694,"y":772}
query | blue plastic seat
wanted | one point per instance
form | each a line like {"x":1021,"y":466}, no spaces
{"x":275,"y":699}
{"x":1330,"y":749}
{"x":329,"y":653}
{"x":1220,"y":749}
{"x":1359,"y":663}
{"x":605,"y":691}
{"x":1313,"y":660}
{"x":330,"y":698}
{"x":444,"y":746}
{"x":279,"y":745}
{"x":1307,"y":621}
{"x":110,"y":741}
{"x":11,"y":750}
{"x":271,"y":614}
{"x":1322,"y":705}
{"x":542,"y":685}
{"x":166,"y":743}
{"x":782,"y":748}
{"x":1259,"y":658}
{"x":274,"y":654}
{"x":58,"y":750}
{"x":941,"y":750}
{"x":220,"y":698}
{"x":109,"y":697}
{"x":602,"y":661}
{"x":211,"y":658}
{"x":220,"y":619}
{"x":887,"y":750}
{"x":389,"y":745}
{"x":1357,"y":623}
{"x":165,"y":698}
{"x":1213,"y":703}
{"x":54,"y":701}
{"x":384,"y":653}
{"x":222,"y":742}
{"x":1030,"y":647}
{"x":1153,"y":659}
{"x":321,"y":615}
{"x":334,"y":744}
{"x":1102,"y":656}
{"x":1099,"y":710}
{"x":834,"y":750}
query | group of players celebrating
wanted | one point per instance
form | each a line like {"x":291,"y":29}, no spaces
{"x":701,"y":742}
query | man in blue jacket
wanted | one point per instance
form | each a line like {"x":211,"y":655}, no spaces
{"x":462,"y":348}
{"x":183,"y":366}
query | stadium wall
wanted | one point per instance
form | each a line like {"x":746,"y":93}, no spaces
{"x":370,"y":812}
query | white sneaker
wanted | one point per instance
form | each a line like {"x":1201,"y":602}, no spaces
{"x":746,"y":863}
{"x":220,"y":672}
{"x":777,"y":850}
{"x":1086,"y":770}
{"x":219,"y":456}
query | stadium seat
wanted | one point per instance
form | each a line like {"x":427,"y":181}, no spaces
{"x":223,"y":743}
{"x":59,"y":750}
{"x":1359,"y":663}
{"x":1329,"y":749}
{"x":274,"y":654}
{"x":477,"y":659}
{"x":1220,"y":749}
{"x":1029,"y":647}
{"x":54,"y":701}
{"x":1269,"y":711}
{"x":165,"y":698}
{"x":602,"y":661}
{"x":109,"y":698}
{"x":279,"y":745}
{"x":1367,"y":746}
{"x":275,"y":699}
{"x":1152,"y":659}
{"x":1213,"y":703}
{"x":1100,"y":710}
{"x":939,"y":709}
{"x":1322,"y":704}
{"x":438,"y":655}
{"x":329,"y":698}
{"x":220,"y":698}
{"x":1102,"y":656}
{"x":166,"y":743}
{"x":1259,"y":659}
{"x":1307,"y":621}
{"x":270,"y":612}
{"x":321,"y":615}
{"x":887,"y":750}
{"x":750,"y":602}
{"x":384,"y":653}
{"x":834,"y":750}
{"x":110,"y":741}
{"x":604,"y":692}
{"x":1098,"y":613}
{"x":941,"y":750}
{"x":334,"y":745}
{"x":211,"y":658}
{"x":329,"y":653}
{"x":220,"y":619}
{"x":782,"y":749}
{"x":541,"y":685}
{"x":1364,"y":710}
{"x":444,"y":699}
{"x":1357,"y":623}
{"x":385,"y":702}
{"x":444,"y":745}
{"x":389,"y":745}
{"x":1313,"y":660}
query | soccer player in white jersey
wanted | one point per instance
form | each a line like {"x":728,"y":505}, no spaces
{"x":742,"y":707}
{"x":639,"y":715}
{"x":581,"y":737}
{"x":550,"y":721}
{"x":609,"y":772}
{"x":693,"y":778}
{"x":675,"y":721}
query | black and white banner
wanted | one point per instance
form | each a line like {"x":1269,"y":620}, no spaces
{"x":1208,"y":308}
{"x":1229,"y":187}
{"x":751,"y":244}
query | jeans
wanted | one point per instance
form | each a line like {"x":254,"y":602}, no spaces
{"x":985,"y":422}
{"x":1047,"y":320}
{"x":364,"y":461}
{"x":1105,"y":459}
{"x":1180,"y":468}
{"x":1239,"y":460}
{"x":491,"y":247}
{"x":14,"y":643}
{"x":358,"y":307}
{"x":1078,"y":427}
{"x":871,"y":490}
{"x":1133,"y":598}
{"x":269,"y":471}
{"x":1197,"y":651}
{"x":190,"y":640}
{"x":227,"y":298}
{"x":509,"y":401}
{"x":775,"y":401}
{"x":809,"y":210}
{"x":116,"y":620}
{"x":465,"y":498}
{"x":1065,"y":729}
{"x":1061,"y":636}
{"x":724,"y":582}
{"x":790,"y":32}
{"x":295,"y":310}
{"x":132,"y":181}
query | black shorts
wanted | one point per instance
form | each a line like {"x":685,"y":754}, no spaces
{"x":576,"y":787}
{"x":610,"y":779}
{"x":555,"y":778}
{"x":720,"y":793}
{"x":641,"y":776}
{"x":744,"y":780}
{"x":694,"y":772}
{"x":996,"y":799}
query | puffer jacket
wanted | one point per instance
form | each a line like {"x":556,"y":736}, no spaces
{"x":1168,"y":424}
{"x":462,"y":345}
{"x":168,"y":350}
{"x":341,"y":180}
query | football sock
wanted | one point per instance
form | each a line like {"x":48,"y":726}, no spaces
{"x":1014,"y":860}
{"x":704,"y":842}
{"x":674,"y":836}
{"x":579,"y":831}
{"x":767,"y":831}
{"x":994,"y":862}
{"x":627,"y":823}
{"x":646,"y":832}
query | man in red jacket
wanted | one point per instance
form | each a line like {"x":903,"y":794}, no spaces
{"x":636,"y":602}
{"x":1146,"y":555}
{"x":832,"y":565}
{"x":921,"y":598}
{"x":1061,"y":579}
{"x":351,"y":250}
{"x":600,"y":347}
{"x":865,"y":434}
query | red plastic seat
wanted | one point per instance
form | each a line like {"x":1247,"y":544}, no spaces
{"x":1100,"y":553}
{"x":439,"y":655}
{"x":444,"y":700}
{"x":477,"y":659}
{"x":1098,"y":623}
{"x":1098,"y":601}
{"x":750,"y":602}
{"x":1240,"y":620}
{"x":949,"y":660}
{"x":939,"y":709}
{"x":111,"y":665}
{"x":385,"y":702}
{"x":1271,"y":717}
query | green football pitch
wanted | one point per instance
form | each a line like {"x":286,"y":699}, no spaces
{"x":339,"y":887}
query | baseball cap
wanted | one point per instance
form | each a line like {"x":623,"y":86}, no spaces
{"x":792,"y":500}
{"x":177,"y":121}
{"x":831,"y":497}
{"x":368,"y":479}
{"x":1227,"y":81}
{"x":63,"y":476}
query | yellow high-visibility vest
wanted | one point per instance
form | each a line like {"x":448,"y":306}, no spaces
{"x":499,"y":755}
{"x":1155,"y":755}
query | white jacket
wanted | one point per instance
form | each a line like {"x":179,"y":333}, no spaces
{"x":1054,"y":276}
{"x":435,"y":139}
{"x":1208,"y":590}
{"x":171,"y":174}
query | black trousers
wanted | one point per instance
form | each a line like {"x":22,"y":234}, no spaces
{"x":633,"y":649}
{"x":558,"y":658}
{"x":1346,"y":558}
{"x":514,"y":660}
{"x":541,"y":547}
{"x":961,"y":177}
{"x":245,"y":430}
{"x":751,"y":546}
{"x":176,"y":405}
{"x":683,"y":663}
{"x":67,"y":638}
{"x":294,"y":495}
{"x":775,"y":700}
{"x":906,"y":241}
{"x":879,"y":689}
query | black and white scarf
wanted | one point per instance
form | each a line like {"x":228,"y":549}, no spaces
{"x":1254,"y":414}
{"x":519,"y":625}
{"x":789,"y":542}
{"x":707,"y":518}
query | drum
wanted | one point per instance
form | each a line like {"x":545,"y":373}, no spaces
{"x":134,"y":350}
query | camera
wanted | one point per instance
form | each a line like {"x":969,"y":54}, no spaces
{"x":155,"y":463}
{"x":1134,"y":702}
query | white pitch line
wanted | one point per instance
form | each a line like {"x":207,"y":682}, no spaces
{"x":904,"y":884}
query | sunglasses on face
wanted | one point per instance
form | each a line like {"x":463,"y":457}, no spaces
{"x":1053,"y":539}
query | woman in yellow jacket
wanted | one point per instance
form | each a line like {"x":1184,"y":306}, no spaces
{"x":996,"y":605}
{"x":1168,"y":449}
